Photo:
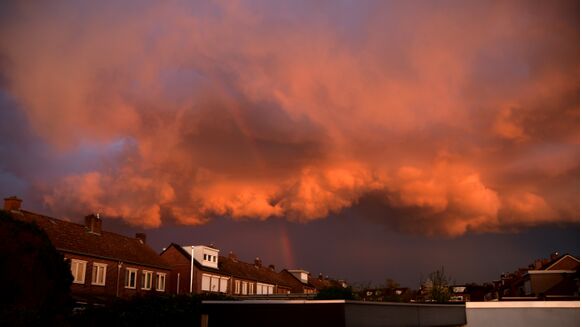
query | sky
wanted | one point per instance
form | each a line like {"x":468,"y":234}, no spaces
{"x":361,"y":139}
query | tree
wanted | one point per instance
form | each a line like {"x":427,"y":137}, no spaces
{"x":37,"y":278}
{"x":438,"y":286}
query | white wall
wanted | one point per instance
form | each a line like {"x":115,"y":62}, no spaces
{"x":200,"y":251}
{"x":523,"y":313}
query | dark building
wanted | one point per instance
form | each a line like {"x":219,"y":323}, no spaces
{"x":104,"y":265}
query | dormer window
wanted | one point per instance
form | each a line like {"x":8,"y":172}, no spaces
{"x":301,"y":275}
{"x":205,"y":255}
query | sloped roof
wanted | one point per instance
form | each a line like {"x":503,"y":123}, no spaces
{"x":250,"y":271}
{"x":298,"y":285}
{"x":73,"y":238}
{"x":321,"y":283}
{"x":550,"y":265}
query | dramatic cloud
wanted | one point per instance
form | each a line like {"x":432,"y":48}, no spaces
{"x":457,"y":116}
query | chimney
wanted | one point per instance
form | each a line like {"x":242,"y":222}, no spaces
{"x":93,"y":224}
{"x":12,"y":203}
{"x":538,"y":264}
{"x":141,"y":237}
{"x":258,"y":262}
{"x":320,"y":277}
{"x":232,"y":256}
{"x":272,"y":267}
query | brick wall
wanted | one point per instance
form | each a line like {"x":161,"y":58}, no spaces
{"x":114,"y":282}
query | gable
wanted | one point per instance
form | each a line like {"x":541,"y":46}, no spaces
{"x":566,"y":262}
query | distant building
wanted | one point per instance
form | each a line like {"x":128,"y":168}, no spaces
{"x":301,"y":281}
{"x":104,"y":265}
{"x":385,"y":294}
{"x":556,"y":278}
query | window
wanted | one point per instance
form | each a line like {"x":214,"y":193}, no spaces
{"x":237,"y":287}
{"x":99,"y":273}
{"x":245,"y":287}
{"x":214,"y":287}
{"x":161,"y":284}
{"x":205,"y":257}
{"x":214,"y":258}
{"x":78,"y":268}
{"x":264,"y":288}
{"x":130,"y":277}
{"x":251,"y":288}
{"x":206,"y":282}
{"x":223,"y":284}
{"x":146,"y":280}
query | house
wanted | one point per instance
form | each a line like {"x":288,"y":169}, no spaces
{"x":255,"y":279}
{"x":300,"y":281}
{"x":559,"y":278}
{"x":201,"y":269}
{"x":104,"y":265}
{"x":195,"y":269}
{"x":555,"y":278}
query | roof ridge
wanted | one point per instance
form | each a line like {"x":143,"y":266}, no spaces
{"x":73,"y":237}
{"x":78,"y":224}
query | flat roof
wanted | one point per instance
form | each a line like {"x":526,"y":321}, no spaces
{"x":522,"y":304}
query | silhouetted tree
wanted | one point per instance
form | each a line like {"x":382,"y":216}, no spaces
{"x":438,"y":283}
{"x":36,"y":279}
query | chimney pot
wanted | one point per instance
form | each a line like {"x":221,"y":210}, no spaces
{"x":272,"y":267}
{"x":93,"y":224}
{"x":12,"y":203}
{"x":258,"y":262}
{"x":141,"y":237}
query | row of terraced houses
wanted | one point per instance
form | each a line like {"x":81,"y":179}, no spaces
{"x":107,"y":265}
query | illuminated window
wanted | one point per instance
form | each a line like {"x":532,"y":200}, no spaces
{"x":99,"y":273}
{"x":245,"y":287}
{"x":146,"y":280}
{"x":237,"y":287}
{"x":206,"y":282}
{"x":130,"y":277}
{"x":251,"y":288}
{"x":161,"y":284}
{"x":223,"y":284}
{"x":78,"y":268}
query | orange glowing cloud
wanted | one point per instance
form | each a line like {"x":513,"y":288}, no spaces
{"x":462,"y":117}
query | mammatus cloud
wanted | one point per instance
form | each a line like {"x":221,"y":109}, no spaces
{"x":459,"y":117}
